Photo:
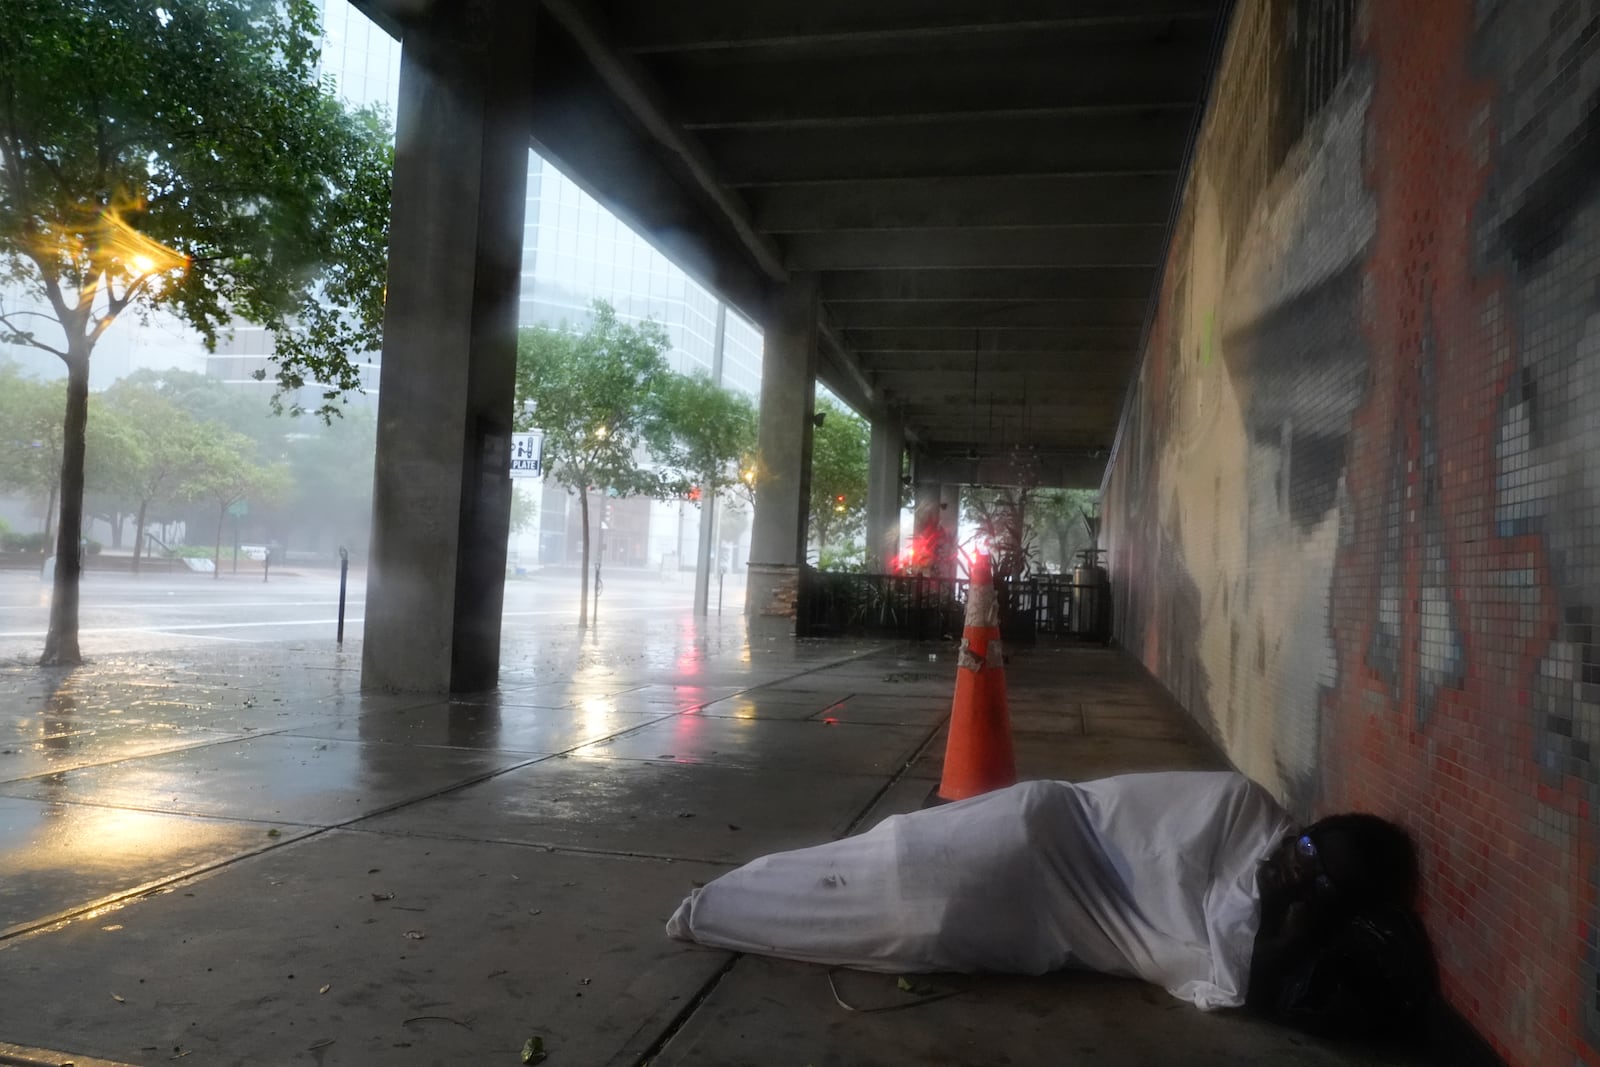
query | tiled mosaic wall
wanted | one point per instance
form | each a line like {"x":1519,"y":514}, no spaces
{"x":1354,"y":513}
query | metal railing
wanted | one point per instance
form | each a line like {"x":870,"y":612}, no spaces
{"x":929,"y":609}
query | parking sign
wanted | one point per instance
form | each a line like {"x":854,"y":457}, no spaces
{"x":527,"y":454}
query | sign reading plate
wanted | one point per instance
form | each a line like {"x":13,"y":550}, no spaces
{"x":527,"y":454}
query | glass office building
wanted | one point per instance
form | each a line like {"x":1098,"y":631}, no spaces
{"x":574,"y":252}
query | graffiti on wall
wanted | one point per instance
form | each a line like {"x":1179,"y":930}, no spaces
{"x":1354,"y":515}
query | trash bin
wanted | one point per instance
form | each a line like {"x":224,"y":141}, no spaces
{"x":1091,"y":608}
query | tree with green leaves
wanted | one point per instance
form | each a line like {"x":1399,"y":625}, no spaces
{"x":160,"y":451}
{"x":710,"y":434}
{"x":1059,"y":515}
{"x":839,"y":447}
{"x":711,"y":445}
{"x":30,"y":437}
{"x":330,"y":504}
{"x":226,"y":475}
{"x":596,"y":394}
{"x":181,"y":155}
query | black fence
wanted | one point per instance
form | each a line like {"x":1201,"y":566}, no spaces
{"x":928,"y":609}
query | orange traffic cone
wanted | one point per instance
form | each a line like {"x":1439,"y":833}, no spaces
{"x":978,"y":756}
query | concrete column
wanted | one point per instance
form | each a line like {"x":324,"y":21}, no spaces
{"x":708,"y":556}
{"x":887,"y":446}
{"x":441,"y":493}
{"x":783,"y":470}
{"x":950,"y":520}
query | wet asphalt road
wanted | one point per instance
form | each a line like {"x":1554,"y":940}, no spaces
{"x":121,"y":613}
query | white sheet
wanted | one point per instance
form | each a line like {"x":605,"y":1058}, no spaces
{"x":1149,"y":875}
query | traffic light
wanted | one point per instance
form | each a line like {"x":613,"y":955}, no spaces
{"x":838,"y":502}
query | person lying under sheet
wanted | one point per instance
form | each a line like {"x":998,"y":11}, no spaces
{"x":1196,"y":881}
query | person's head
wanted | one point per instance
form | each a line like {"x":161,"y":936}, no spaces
{"x":1343,"y":863}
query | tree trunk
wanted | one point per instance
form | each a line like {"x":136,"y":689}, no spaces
{"x":216,"y":568}
{"x":583,"y":569}
{"x":50,"y":505}
{"x":116,"y":529}
{"x":138,"y":534}
{"x":61,"y":642}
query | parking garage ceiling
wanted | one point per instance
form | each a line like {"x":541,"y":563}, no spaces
{"x":983,"y":187}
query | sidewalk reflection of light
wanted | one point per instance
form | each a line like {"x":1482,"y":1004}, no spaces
{"x":686,"y":731}
{"x":83,"y":838}
{"x":599,"y":714}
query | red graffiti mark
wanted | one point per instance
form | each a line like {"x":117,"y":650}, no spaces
{"x":1510,"y":910}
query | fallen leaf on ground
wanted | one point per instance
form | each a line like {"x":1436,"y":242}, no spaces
{"x":274,"y":832}
{"x":325,"y":988}
{"x":415,"y":935}
{"x":533,"y":1050}
{"x":118,"y":998}
{"x":383,"y":896}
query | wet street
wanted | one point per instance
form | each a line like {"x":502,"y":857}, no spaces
{"x":123,"y":613}
{"x":223,"y":852}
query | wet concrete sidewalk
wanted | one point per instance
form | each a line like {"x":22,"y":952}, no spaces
{"x":235,"y":857}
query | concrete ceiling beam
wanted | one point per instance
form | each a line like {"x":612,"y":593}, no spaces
{"x":1101,"y":246}
{"x":1138,"y":143}
{"x":881,"y":346}
{"x":934,"y":203}
{"x":631,"y":87}
{"x":1047,"y":409}
{"x":912,"y":362}
{"x":986,"y":314}
{"x":1046,"y":380}
{"x":1112,"y":283}
{"x":576,"y":124}
{"x":653,"y":26}
{"x":984,"y":339}
{"x":1035,"y":73}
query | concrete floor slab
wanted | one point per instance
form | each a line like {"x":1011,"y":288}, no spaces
{"x":479,"y":847}
{"x":287,"y":957}
{"x":31,"y":745}
{"x":836,"y":747}
{"x":511,"y":728}
{"x":888,"y":710}
{"x":684,"y":811}
{"x":775,"y":1011}
{"x":1063,"y":718}
{"x":277,"y":779}
{"x":1155,"y":727}
{"x":761,"y":704}
{"x":60,"y":856}
{"x":1082,"y":759}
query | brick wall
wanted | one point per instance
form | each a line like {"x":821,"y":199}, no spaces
{"x":1354,"y":511}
